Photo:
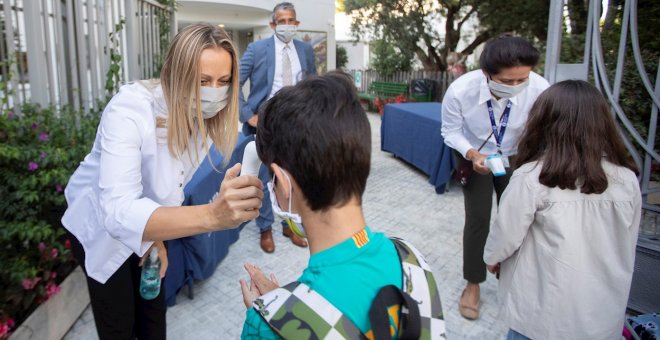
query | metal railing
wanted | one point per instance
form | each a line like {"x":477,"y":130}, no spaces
{"x":57,"y":52}
{"x":594,"y":57}
{"x":442,"y":79}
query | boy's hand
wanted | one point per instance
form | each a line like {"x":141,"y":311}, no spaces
{"x":259,"y":284}
{"x":250,"y":292}
{"x":259,"y":279}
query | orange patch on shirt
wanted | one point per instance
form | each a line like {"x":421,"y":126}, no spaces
{"x":361,"y":238}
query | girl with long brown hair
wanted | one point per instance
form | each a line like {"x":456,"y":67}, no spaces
{"x":565,"y":234}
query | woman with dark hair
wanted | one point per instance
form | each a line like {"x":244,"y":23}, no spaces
{"x":483,"y":115}
{"x":567,"y":224}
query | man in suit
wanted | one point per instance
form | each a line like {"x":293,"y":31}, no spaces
{"x":271,"y":64}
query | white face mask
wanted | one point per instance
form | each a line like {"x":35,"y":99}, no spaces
{"x":506,"y":91}
{"x":212,"y":100}
{"x":292,"y":219}
{"x":285,"y":32}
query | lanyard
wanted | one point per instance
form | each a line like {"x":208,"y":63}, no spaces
{"x":504,"y":119}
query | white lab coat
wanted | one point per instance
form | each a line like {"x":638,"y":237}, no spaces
{"x":128,"y":174}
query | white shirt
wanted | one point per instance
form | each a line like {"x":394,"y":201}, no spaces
{"x":296,"y":69}
{"x":128,"y":174}
{"x":465,"y":119}
{"x":567,"y":258}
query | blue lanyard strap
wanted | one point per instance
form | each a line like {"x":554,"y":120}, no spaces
{"x":504,"y":119}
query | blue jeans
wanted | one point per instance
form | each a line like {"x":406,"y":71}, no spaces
{"x":513,"y":335}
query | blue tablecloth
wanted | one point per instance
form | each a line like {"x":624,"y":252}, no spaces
{"x":411,"y":131}
{"x":196,"y":257}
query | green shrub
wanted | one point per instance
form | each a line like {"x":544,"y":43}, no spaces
{"x":39,"y":150}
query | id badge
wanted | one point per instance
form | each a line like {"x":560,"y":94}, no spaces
{"x":505,"y":161}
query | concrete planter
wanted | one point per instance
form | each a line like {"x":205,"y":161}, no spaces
{"x":52,"y":319}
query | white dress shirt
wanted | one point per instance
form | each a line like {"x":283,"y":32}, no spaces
{"x":296,"y":69}
{"x":128,"y":174}
{"x":465,"y":119}
{"x":567,"y":258}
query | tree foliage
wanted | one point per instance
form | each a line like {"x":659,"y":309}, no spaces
{"x":387,"y":59}
{"x":342,"y":57}
{"x":634,"y":98}
{"x":416,"y":25}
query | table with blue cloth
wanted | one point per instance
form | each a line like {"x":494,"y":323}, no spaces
{"x":411,"y":131}
{"x":196,"y":257}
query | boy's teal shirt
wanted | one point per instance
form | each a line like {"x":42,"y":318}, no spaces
{"x":348,"y":275}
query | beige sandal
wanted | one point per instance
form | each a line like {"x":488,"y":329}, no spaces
{"x":467,"y":311}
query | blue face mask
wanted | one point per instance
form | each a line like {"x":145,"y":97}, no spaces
{"x":212,"y":100}
{"x":292,"y":219}
{"x":506,"y":91}
{"x":286,"y":32}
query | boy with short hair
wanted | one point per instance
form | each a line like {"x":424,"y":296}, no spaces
{"x":316,"y":141}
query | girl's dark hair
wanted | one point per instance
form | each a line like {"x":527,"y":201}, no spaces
{"x":507,"y":51}
{"x":571,"y":128}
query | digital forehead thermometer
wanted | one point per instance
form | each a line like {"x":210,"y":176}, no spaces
{"x":251,"y":162}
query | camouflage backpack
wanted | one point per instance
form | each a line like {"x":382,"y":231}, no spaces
{"x":295,"y":311}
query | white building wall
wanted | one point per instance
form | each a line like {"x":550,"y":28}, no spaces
{"x":319,"y":16}
{"x":248,"y":19}
{"x":358,"y":54}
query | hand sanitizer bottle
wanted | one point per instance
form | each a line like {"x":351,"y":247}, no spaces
{"x":150,"y":281}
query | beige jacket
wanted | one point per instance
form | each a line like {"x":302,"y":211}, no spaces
{"x":566,"y":258}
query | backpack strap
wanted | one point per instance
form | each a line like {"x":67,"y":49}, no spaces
{"x":295,"y":311}
{"x":420,"y":284}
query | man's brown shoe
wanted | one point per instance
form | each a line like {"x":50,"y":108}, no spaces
{"x":300,"y":242}
{"x":267,"y":243}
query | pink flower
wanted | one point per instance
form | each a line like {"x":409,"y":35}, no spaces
{"x":35,"y":126}
{"x":54,"y":252}
{"x":33,"y":166}
{"x":11,"y":323}
{"x":52,"y":289}
{"x":58,"y":188}
{"x":4,"y":330}
{"x":67,"y":244}
{"x":29,"y":284}
{"x":41,"y":247}
{"x":11,"y":114}
{"x":43,"y":155}
{"x":44,"y":136}
{"x":53,"y":275}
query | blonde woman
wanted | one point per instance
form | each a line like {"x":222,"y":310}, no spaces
{"x":126,"y":196}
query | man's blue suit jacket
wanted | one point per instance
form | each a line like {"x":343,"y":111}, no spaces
{"x":258,"y":65}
